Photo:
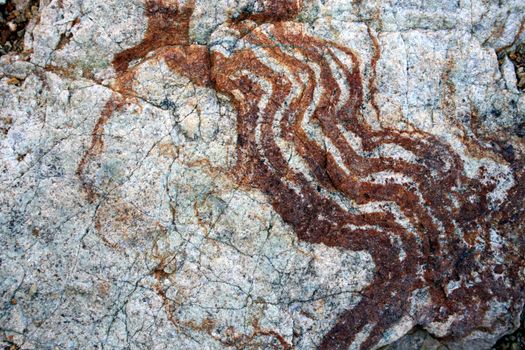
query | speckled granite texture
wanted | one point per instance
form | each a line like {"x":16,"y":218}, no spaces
{"x":258,"y":174}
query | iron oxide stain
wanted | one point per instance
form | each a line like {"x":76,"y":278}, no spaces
{"x":294,"y":91}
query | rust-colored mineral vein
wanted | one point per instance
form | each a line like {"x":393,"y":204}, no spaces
{"x":295,"y":91}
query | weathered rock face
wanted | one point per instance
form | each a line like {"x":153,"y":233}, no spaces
{"x":263,"y":174}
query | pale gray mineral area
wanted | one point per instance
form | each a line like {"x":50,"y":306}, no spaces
{"x":261,"y":174}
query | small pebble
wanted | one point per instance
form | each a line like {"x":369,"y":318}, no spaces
{"x":12,"y":26}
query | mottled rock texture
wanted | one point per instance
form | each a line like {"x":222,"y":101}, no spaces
{"x":254,"y":174}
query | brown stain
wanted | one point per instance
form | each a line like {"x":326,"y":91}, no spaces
{"x":121,"y":226}
{"x":260,"y":331}
{"x":273,"y":11}
{"x":372,"y":81}
{"x":502,"y":49}
{"x":168,"y":24}
{"x":436,"y":250}
{"x":192,"y":62}
{"x":232,"y":339}
{"x":168,"y":149}
{"x":65,"y":38}
{"x":97,"y":144}
{"x":103,"y":288}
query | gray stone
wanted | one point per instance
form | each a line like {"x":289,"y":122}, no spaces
{"x":133,"y":215}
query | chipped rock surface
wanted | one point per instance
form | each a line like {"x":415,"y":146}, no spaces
{"x":259,"y":174}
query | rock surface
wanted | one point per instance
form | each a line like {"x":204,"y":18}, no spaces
{"x":261,"y":174}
